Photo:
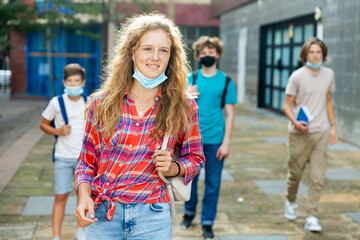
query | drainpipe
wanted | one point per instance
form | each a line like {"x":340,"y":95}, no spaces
{"x":49,"y":58}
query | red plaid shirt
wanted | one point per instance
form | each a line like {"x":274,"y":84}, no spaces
{"x":120,"y":167}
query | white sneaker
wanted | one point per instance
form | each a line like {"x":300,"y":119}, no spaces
{"x":312,"y":224}
{"x":80,"y":234}
{"x":290,"y":212}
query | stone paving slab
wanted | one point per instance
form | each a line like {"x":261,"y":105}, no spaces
{"x":277,"y":187}
{"x":342,"y":174}
{"x":14,"y":156}
{"x":225,"y":175}
{"x":269,"y":114}
{"x":254,"y":237}
{"x":43,"y":205}
{"x":222,"y":227}
{"x":342,"y":146}
{"x":246,"y":119}
{"x":354,"y":215}
{"x":19,"y":231}
{"x":262,"y":126}
{"x":275,"y":140}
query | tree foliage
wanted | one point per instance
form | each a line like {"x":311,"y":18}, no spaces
{"x":78,"y":15}
{"x":14,"y":15}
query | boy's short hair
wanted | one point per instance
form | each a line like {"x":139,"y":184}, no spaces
{"x":306,"y":46}
{"x":210,"y":42}
{"x":73,"y":69}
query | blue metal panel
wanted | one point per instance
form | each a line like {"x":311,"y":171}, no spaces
{"x":66,"y":41}
{"x":96,"y":55}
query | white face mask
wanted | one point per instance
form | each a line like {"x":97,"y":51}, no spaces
{"x":74,"y":91}
{"x":146,"y":82}
{"x":314,"y":66}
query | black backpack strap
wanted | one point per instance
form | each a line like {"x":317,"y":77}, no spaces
{"x":195,"y":73}
{"x":224,"y":92}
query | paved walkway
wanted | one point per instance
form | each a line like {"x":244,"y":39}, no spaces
{"x":19,"y":132}
{"x":252,"y":194}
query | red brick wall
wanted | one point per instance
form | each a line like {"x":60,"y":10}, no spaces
{"x":18,"y":62}
{"x":186,"y":14}
{"x":198,"y":15}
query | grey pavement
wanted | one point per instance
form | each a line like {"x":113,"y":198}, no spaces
{"x":252,"y":194}
{"x":19,"y":132}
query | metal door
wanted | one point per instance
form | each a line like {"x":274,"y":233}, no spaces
{"x":280,"y":51}
{"x":67,"y":47}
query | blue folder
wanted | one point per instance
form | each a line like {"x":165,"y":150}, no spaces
{"x":304,"y":115}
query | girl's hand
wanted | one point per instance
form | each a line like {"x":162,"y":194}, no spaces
{"x":84,"y":206}
{"x":162,"y":160}
{"x":192,"y":91}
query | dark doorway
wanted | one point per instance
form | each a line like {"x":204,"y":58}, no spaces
{"x":280,"y":47}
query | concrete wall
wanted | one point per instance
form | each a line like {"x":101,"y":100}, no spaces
{"x":341,"y":21}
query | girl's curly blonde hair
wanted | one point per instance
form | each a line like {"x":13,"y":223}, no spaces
{"x":174,"y":109}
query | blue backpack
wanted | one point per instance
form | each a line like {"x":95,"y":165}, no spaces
{"x":64,"y":115}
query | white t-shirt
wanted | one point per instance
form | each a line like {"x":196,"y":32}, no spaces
{"x":67,"y":146}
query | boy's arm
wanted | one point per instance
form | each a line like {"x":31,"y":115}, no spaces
{"x":46,"y":127}
{"x":330,"y":114}
{"x":224,"y":149}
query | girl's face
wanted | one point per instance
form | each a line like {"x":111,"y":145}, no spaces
{"x":153,"y":53}
{"x":314,"y":54}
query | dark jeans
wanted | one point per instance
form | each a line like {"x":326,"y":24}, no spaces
{"x":213,"y":169}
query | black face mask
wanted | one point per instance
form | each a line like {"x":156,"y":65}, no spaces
{"x":207,"y":61}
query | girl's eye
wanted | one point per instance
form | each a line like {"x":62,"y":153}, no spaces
{"x":147,"y":49}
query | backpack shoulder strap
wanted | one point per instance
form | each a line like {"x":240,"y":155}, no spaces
{"x":195,"y":73}
{"x":224,"y":92}
{"x":62,"y":108}
{"x":163,"y":147}
{"x":84,"y":97}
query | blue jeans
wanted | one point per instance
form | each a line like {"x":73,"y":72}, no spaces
{"x":138,"y":221}
{"x":213,"y":169}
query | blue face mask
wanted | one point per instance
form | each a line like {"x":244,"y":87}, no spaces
{"x":146,"y":82}
{"x":314,"y":66}
{"x":74,"y":91}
